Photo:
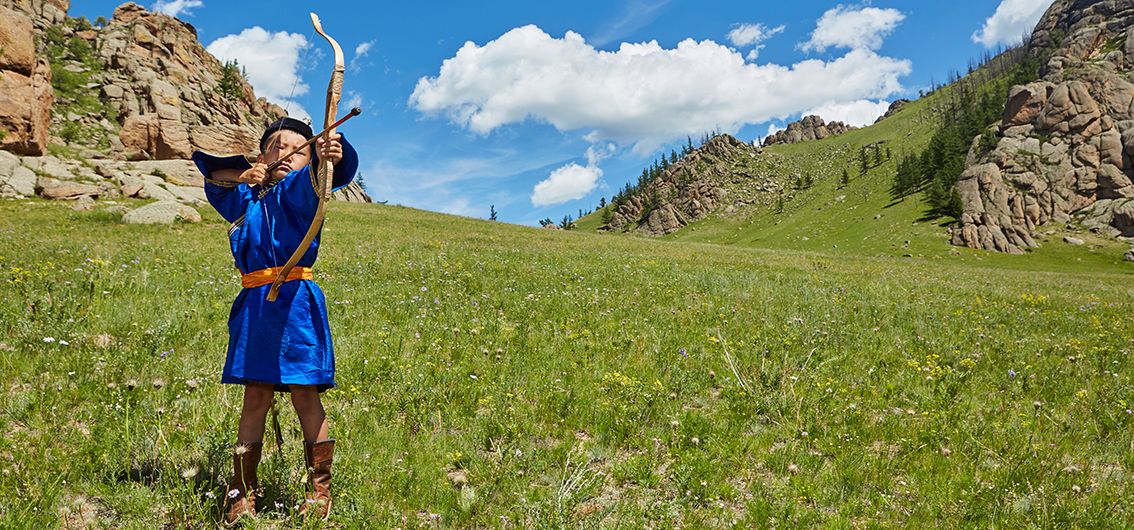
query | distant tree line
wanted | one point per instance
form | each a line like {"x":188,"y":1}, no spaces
{"x":566,"y":224}
{"x":966,"y":108}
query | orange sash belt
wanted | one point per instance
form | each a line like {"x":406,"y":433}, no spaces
{"x":267,"y":276}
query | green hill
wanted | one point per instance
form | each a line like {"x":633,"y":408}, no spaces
{"x":490,"y":373}
{"x":862,"y":217}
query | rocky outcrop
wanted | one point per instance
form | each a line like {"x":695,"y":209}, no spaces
{"x":55,"y":178}
{"x":1064,"y":144}
{"x":166,"y":90}
{"x":352,"y":193}
{"x":160,"y":95}
{"x":162,"y":212}
{"x":895,"y":106}
{"x":809,"y":128}
{"x":62,"y":179}
{"x":687,"y":190}
{"x":15,"y":179}
{"x":26,"y":95}
{"x":43,"y":13}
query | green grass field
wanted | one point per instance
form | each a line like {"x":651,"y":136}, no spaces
{"x":496,"y":376}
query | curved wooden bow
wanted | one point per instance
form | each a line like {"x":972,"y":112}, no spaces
{"x":325,"y":168}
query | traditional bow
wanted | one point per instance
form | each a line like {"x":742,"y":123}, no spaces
{"x":325,"y":168}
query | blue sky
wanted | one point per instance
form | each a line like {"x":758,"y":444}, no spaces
{"x":541,"y":108}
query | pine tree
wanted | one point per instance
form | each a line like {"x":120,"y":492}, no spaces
{"x":863,"y":166}
{"x":845,"y":179}
{"x":607,"y":215}
{"x":231,"y":81}
{"x":491,"y":212}
{"x":602,"y":202}
{"x":877,"y":155}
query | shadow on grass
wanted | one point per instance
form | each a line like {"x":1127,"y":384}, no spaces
{"x":206,"y":478}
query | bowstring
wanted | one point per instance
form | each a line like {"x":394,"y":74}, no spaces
{"x":295,"y":83}
{"x":287,"y":112}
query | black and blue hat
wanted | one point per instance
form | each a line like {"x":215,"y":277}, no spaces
{"x":285,"y":123}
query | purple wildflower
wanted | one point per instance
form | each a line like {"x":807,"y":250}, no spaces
{"x":683,"y":353}
{"x":1011,"y":374}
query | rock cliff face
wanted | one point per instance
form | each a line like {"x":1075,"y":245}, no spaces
{"x":809,"y":128}
{"x":689,"y":190}
{"x":26,"y":95}
{"x":1063,"y":147}
{"x":895,"y":106}
{"x":141,"y":94}
{"x":165,"y":89}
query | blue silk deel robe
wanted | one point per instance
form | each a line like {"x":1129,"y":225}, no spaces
{"x":286,"y":342}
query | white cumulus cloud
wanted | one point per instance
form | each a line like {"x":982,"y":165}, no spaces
{"x":360,"y":53}
{"x":1012,"y":20}
{"x":744,"y":35}
{"x":857,"y":113}
{"x":271,"y":61}
{"x":175,"y":8}
{"x":567,"y":183}
{"x":352,"y":99}
{"x":571,"y":181}
{"x":642,"y":93}
{"x":362,"y":49}
{"x":848,"y":27}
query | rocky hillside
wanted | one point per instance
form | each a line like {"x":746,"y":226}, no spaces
{"x":114,"y":110}
{"x":728,"y":176}
{"x":1062,"y":150}
{"x":26,"y":95}
{"x":725,"y":176}
{"x":686,"y":190}
{"x":809,"y":128}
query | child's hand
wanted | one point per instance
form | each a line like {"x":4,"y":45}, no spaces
{"x":330,"y":150}
{"x":254,"y":175}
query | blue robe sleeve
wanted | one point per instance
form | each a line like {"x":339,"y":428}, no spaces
{"x":228,"y":198}
{"x":346,"y":168}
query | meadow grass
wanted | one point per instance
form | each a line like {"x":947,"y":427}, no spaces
{"x":498,"y":376}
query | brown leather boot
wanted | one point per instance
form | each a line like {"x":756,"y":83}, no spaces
{"x":241,"y":494}
{"x":319,"y":457}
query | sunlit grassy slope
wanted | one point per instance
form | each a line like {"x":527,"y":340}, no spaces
{"x":509,"y":377}
{"x":861,"y":218}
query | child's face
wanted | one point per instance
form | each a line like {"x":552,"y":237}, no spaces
{"x":282,"y":143}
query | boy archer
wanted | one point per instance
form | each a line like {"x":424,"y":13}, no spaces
{"x":284,"y":345}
